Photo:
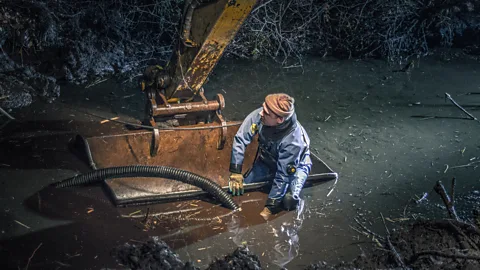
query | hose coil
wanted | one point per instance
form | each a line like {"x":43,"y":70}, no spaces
{"x":187,"y":177}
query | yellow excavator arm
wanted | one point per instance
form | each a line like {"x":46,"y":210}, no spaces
{"x":206,"y":30}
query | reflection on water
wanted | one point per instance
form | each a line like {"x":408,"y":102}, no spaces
{"x":234,"y":227}
{"x":284,"y":237}
{"x":287,"y":242}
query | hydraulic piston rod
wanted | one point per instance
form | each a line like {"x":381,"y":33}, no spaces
{"x":172,"y":109}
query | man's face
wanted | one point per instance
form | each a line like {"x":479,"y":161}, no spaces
{"x":269,"y":118}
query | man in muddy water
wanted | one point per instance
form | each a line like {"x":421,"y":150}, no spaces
{"x":283,"y":156}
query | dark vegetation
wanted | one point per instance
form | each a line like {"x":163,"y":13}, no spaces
{"x":46,"y":42}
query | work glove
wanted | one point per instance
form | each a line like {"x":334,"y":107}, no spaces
{"x":235,"y":184}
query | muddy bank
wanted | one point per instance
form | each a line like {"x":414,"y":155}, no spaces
{"x":48,"y":43}
{"x":43,"y":42}
{"x":20,"y":85}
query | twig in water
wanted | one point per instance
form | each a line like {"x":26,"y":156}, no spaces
{"x":293,"y":66}
{"x":63,"y":264}
{"x":374,"y":239}
{"x":95,"y":83}
{"x":6,"y":114}
{"x":440,"y":189}
{"x":108,"y":120}
{"x":452,"y":191}
{"x":447,"y":96}
{"x":440,"y":254}
{"x":384,"y":224}
{"x":424,"y":197}
{"x":466,"y":165}
{"x":369,"y":231}
{"x":146,"y":215}
{"x":18,"y":222}
{"x":131,"y":77}
{"x":470,"y":93}
{"x":396,"y":255}
{"x":33,"y":254}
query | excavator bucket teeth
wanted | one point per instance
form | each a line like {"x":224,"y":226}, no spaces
{"x":191,"y":150}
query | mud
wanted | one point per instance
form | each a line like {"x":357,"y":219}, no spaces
{"x":154,"y":254}
{"x":426,"y":244}
{"x":21,"y":85}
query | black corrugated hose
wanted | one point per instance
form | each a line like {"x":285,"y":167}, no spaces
{"x":100,"y":175}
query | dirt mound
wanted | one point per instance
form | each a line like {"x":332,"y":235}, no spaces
{"x":426,"y":244}
{"x":155,"y":254}
{"x":241,"y":258}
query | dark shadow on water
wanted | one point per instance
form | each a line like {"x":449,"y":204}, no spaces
{"x":47,"y":144}
{"x":83,"y":244}
{"x":42,"y":151}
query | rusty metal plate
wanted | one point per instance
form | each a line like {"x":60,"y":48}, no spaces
{"x":191,"y":150}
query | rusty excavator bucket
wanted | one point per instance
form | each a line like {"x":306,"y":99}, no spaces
{"x":185,"y":130}
{"x":191,"y":150}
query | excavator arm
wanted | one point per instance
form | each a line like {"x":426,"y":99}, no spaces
{"x":207,"y":28}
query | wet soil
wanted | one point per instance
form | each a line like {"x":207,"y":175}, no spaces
{"x":389,"y":135}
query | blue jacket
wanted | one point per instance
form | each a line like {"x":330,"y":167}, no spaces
{"x":287,"y":150}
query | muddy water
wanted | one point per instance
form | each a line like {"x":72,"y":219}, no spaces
{"x":389,"y":135}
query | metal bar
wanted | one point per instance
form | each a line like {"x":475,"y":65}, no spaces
{"x":187,"y":108}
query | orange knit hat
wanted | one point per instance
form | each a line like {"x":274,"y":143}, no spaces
{"x":280,"y":104}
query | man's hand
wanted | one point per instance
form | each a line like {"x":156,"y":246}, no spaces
{"x":235,"y":184}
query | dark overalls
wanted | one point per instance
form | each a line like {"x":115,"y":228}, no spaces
{"x":283,"y":155}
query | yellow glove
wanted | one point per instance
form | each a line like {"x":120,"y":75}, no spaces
{"x":235,"y":184}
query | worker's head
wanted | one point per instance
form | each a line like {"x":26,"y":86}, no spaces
{"x":276,"y":109}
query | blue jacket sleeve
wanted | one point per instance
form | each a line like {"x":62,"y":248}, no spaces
{"x":294,"y":153}
{"x":288,"y":156}
{"x":244,"y":136}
